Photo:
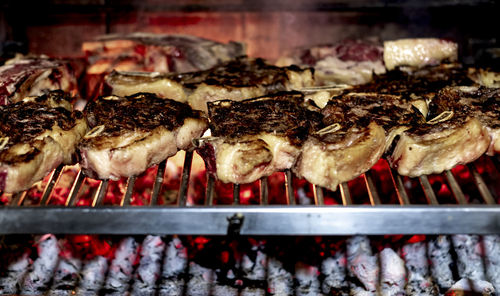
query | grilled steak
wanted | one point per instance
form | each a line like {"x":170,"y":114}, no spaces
{"x":20,"y":78}
{"x":239,"y":79}
{"x":36,"y":135}
{"x":256,"y":137}
{"x":418,"y":53}
{"x":155,"y":52}
{"x":347,"y":62}
{"x":356,"y":129}
{"x":478,"y":102}
{"x":130,"y":134}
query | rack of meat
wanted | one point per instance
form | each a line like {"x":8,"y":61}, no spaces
{"x":412,"y":150}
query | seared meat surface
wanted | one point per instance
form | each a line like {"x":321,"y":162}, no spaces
{"x":36,"y":135}
{"x":355,"y":131}
{"x":256,"y":137}
{"x":24,"y":77}
{"x":130,"y":134}
{"x":238,"y":79}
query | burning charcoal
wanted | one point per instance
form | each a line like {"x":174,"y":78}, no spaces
{"x":419,"y":281}
{"x":253,"y":267}
{"x":363,"y":267}
{"x":279,"y":280}
{"x":441,"y":262}
{"x":174,"y":269}
{"x":66,"y":276}
{"x":492,"y":259}
{"x":392,"y":273}
{"x":222,"y":287}
{"x":121,"y":268}
{"x":469,"y":260}
{"x":92,"y":276}
{"x":42,"y":270}
{"x":334,"y":271}
{"x":149,"y":267}
{"x":200,"y":280}
{"x":14,"y":274}
{"x":466,"y":286}
{"x":307,"y":280}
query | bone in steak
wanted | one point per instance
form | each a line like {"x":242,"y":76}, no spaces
{"x":348,"y":61}
{"x":24,"y":77}
{"x":256,"y":137}
{"x":156,"y":52}
{"x":355,"y":131}
{"x":238,"y":79}
{"x":36,"y":135}
{"x":418,"y":52}
{"x":130,"y":134}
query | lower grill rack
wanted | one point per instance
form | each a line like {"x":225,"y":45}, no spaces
{"x":463,"y":200}
{"x":155,"y":265}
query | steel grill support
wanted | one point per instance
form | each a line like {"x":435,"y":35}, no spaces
{"x":264,"y":191}
{"x":400,"y":188}
{"x":186,"y":172}
{"x":75,"y":188}
{"x":481,"y":186}
{"x":429,"y":193}
{"x":158,"y":182}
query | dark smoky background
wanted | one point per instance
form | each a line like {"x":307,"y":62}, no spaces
{"x":269,"y":28}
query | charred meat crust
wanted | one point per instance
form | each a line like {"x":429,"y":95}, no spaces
{"x":139,"y":112}
{"x":24,"y":121}
{"x":283,"y":114}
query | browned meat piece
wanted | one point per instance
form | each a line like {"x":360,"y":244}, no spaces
{"x":239,"y":79}
{"x":347,"y":62}
{"x":418,"y":52}
{"x":256,"y":137}
{"x":155,"y":52}
{"x":356,"y":130}
{"x":36,"y":135}
{"x":130,"y":134}
{"x":24,"y":77}
{"x":479,"y":102}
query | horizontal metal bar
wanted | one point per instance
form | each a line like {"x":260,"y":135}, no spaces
{"x":258,"y":220}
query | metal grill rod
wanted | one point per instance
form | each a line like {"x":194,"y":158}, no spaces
{"x":346,"y":194}
{"x":53,"y":179}
{"x":264,"y":191}
{"x":319,"y":199}
{"x":397,"y":181}
{"x":128,"y":194}
{"x":236,"y":194}
{"x":455,"y":188}
{"x":101,"y":193}
{"x":186,"y":172}
{"x":158,"y":182}
{"x":481,"y":186}
{"x":289,"y":188}
{"x":429,"y":193}
{"x":73,"y":193}
{"x":209,"y":199}
{"x":372,"y":190}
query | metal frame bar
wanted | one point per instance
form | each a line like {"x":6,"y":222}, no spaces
{"x":258,"y":220}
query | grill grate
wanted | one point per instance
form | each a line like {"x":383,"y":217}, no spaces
{"x":370,"y":216}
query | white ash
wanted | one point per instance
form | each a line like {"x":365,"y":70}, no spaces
{"x":254,"y":272}
{"x":92,"y":276}
{"x":66,"y":276}
{"x":14,"y":274}
{"x":469,"y":259}
{"x":441,"y":262}
{"x":200,"y":280}
{"x":174,"y":269}
{"x":41,"y":271}
{"x":148,"y":271}
{"x":466,"y":285}
{"x":363,"y":267}
{"x":224,"y":290}
{"x":492,"y":259}
{"x":392,"y":273}
{"x":306,"y":277}
{"x":419,"y":280}
{"x":121,"y":268}
{"x":279,"y":280}
{"x":334,"y":272}
{"x":224,"y":281}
